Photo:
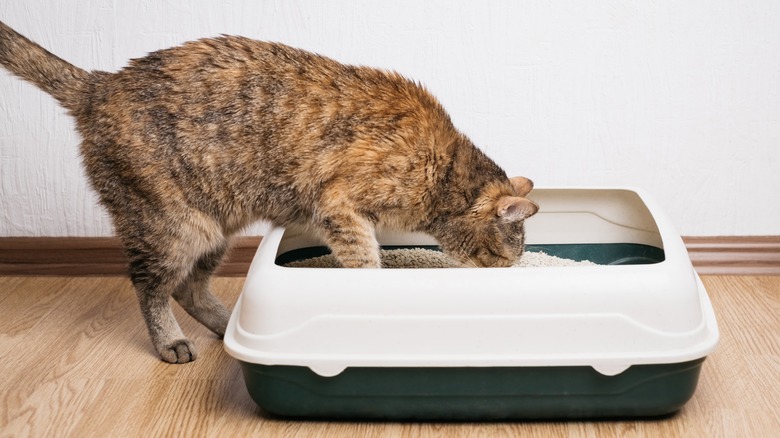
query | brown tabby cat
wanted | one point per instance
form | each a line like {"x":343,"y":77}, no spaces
{"x":188,"y":145}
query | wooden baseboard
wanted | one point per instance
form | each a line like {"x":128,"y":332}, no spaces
{"x":93,"y":256}
{"x":744,"y":255}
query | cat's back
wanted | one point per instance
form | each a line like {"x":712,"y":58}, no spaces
{"x":232,"y":66}
{"x":230,"y":59}
{"x":244,"y":85}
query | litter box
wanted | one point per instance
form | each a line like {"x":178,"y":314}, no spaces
{"x":626,"y":338}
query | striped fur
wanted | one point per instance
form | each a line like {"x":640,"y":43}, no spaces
{"x":188,"y":145}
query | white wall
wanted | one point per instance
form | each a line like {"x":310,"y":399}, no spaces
{"x":681,"y":98}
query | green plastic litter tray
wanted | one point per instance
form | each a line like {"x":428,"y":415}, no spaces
{"x":626,"y":338}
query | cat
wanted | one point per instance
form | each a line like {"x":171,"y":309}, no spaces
{"x":187,"y":146}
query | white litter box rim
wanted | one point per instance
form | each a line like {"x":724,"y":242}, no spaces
{"x":367,"y":338}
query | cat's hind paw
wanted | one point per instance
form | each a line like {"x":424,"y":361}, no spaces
{"x":178,"y":351}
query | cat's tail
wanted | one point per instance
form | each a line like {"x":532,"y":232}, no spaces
{"x":35,"y":64}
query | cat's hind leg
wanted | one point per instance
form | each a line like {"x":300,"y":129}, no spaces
{"x":194,"y":294}
{"x":155,"y":279}
{"x":162,"y":256}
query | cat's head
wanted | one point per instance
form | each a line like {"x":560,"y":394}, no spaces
{"x":491,"y":232}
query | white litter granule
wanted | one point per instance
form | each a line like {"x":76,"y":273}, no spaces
{"x":541,"y":259}
{"x":427,"y":258}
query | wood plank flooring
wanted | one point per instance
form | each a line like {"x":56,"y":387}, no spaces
{"x":75,"y":360}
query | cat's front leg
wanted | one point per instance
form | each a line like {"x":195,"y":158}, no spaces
{"x":351,"y":239}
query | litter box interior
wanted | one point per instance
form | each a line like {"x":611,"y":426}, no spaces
{"x":603,"y":226}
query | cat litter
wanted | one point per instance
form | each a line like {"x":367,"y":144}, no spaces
{"x":425,"y":258}
{"x":624,"y":337}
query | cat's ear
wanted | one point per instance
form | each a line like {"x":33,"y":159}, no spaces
{"x":522,"y":185}
{"x":515,"y":208}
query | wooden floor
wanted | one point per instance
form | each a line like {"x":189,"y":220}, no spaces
{"x":75,"y":361}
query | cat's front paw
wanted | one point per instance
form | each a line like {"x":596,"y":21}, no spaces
{"x":178,"y":351}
